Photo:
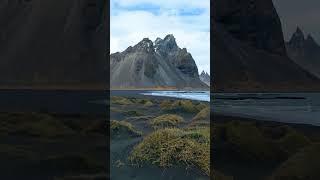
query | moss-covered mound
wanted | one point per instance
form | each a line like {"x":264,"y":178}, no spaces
{"x":202,"y":118}
{"x":33,"y":124}
{"x":181,"y":106}
{"x":120,"y":100}
{"x":123,"y":129}
{"x":175,"y":147}
{"x":166,"y":120}
{"x":303,"y":166}
{"x":97,"y":127}
{"x":254,"y":143}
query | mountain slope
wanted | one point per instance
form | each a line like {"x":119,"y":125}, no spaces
{"x":205,"y":77}
{"x":53,"y":42}
{"x":249,"y":52}
{"x":158,"y":64}
{"x":305,"y":52}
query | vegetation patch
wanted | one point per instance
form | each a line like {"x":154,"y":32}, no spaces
{"x":303,"y":165}
{"x":133,"y":113}
{"x":202,"y":118}
{"x":97,"y":127}
{"x":123,"y":129}
{"x":179,"y":106}
{"x":250,"y":142}
{"x":174,"y":147}
{"x":254,"y":143}
{"x":120,"y":100}
{"x":166,"y":120}
{"x":33,"y":124}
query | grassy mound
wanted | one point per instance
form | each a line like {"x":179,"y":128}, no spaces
{"x":123,"y":129}
{"x":255,"y":143}
{"x":167,"y":120}
{"x":97,"y":127}
{"x":292,"y":142}
{"x":202,"y":118}
{"x":180,"y":106}
{"x":33,"y":124}
{"x":303,"y":166}
{"x":169,"y":147}
{"x":120,"y":100}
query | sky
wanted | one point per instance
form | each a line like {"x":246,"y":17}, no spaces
{"x":302,"y":13}
{"x":187,"y":20}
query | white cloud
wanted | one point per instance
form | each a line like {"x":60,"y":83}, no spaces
{"x":128,"y":27}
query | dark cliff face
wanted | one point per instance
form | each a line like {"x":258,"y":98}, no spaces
{"x":249,"y":52}
{"x":149,"y":64}
{"x":253,"y":22}
{"x":53,"y":42}
{"x":305,"y":52}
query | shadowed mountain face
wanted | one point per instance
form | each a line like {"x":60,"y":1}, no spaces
{"x":249,"y":52}
{"x":154,"y":64}
{"x":205,"y":77}
{"x":305,"y":52}
{"x":53,"y":42}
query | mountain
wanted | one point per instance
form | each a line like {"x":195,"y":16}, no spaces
{"x":53,"y":43}
{"x":205,"y":77}
{"x":148,"y":64}
{"x":249,"y":52}
{"x":305,"y":52}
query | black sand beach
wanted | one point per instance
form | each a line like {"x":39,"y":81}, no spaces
{"x":139,"y":111}
{"x":245,"y":148}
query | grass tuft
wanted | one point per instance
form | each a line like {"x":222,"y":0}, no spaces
{"x":166,"y":120}
{"x":174,"y":147}
{"x":123,"y":129}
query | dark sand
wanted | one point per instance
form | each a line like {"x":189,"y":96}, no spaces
{"x":121,"y":148}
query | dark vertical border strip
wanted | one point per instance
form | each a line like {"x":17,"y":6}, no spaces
{"x":211,"y":89}
{"x":107,"y":54}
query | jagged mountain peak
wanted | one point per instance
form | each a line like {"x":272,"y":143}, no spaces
{"x":205,"y":77}
{"x":145,"y":44}
{"x":298,"y":36}
{"x":167,"y":44}
{"x":311,"y":40}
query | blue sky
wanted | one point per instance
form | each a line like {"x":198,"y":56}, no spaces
{"x":187,"y":20}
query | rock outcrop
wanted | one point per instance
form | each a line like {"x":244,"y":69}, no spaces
{"x":249,"y":52}
{"x":154,"y":64}
{"x":205,"y":77}
{"x":304,"y":51}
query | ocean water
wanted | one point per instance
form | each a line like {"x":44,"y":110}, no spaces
{"x":192,"y":95}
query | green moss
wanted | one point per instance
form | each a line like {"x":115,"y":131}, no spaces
{"x":120,"y":100}
{"x":179,"y":106}
{"x":303,"y":166}
{"x":123,"y":129}
{"x":167,"y":120}
{"x":174,"y":147}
